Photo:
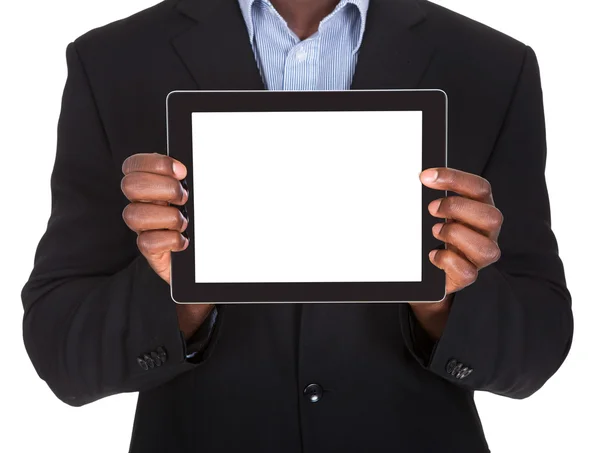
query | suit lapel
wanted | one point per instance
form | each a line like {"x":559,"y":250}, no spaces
{"x":218,"y":55}
{"x":216,"y":49}
{"x":393,"y":53}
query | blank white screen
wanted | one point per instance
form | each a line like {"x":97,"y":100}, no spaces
{"x":307,"y":196}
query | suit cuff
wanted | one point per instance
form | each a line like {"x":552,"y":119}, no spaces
{"x":196,"y":349}
{"x":421,"y":344}
{"x":464,"y":353}
{"x":162,"y":353}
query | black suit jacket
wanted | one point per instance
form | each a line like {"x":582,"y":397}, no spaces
{"x":93,"y":306}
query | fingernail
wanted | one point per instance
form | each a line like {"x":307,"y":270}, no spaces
{"x":432,"y":254}
{"x":434,"y":206}
{"x":437,"y":228}
{"x":429,"y":175}
{"x":184,"y":211}
{"x":178,"y":169}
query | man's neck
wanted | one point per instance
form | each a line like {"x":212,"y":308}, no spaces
{"x":303,"y":16}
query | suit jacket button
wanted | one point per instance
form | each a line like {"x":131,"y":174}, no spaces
{"x":142,"y":363}
{"x":162,"y":354}
{"x":149,"y":361}
{"x":313,"y":392}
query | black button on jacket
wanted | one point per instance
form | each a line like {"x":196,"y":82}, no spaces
{"x":94,"y":307}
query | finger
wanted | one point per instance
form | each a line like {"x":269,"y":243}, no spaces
{"x":154,"y":163}
{"x":157,"y":242}
{"x":477,"y":248}
{"x":460,"y":272}
{"x":149,"y":187}
{"x":463,"y":183}
{"x":481,"y":216}
{"x":147,"y":216}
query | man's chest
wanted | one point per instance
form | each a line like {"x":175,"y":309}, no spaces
{"x":132,"y":104}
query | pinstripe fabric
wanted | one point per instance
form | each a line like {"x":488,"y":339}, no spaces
{"x":323,"y":61}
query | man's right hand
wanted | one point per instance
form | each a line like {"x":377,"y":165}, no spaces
{"x":152,"y":182}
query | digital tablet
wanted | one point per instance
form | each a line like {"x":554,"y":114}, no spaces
{"x":307,"y":196}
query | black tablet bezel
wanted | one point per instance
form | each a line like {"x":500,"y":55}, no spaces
{"x":433,"y":104}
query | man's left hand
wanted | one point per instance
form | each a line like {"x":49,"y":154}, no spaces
{"x":471,"y":234}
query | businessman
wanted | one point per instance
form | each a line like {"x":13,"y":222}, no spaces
{"x":339,"y":377}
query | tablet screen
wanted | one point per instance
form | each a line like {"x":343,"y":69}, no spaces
{"x":307,"y":196}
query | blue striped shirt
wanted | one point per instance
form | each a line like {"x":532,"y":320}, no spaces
{"x":323,"y":61}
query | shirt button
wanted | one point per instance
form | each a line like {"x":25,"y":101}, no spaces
{"x":313,"y":392}
{"x":301,"y":55}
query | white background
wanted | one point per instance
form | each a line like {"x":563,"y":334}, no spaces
{"x":334,"y":211}
{"x":563,"y":416}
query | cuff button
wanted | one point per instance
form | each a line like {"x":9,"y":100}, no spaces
{"x":451,"y":366}
{"x":149,"y":361}
{"x":466,"y":372}
{"x":162,"y":354}
{"x":457,"y":369}
{"x":142,"y":363}
{"x":156,"y":358}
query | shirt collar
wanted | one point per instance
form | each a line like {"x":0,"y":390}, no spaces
{"x":362,"y":5}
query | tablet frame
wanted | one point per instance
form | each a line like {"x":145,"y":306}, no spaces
{"x":180,"y":104}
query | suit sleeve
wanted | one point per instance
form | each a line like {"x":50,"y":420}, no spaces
{"x":97,"y":319}
{"x":510,"y":331}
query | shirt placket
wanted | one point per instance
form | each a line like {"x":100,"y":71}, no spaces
{"x":301,"y":65}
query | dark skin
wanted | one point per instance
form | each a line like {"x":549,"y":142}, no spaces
{"x":303,"y":16}
{"x":470,"y":233}
{"x":152,"y":183}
